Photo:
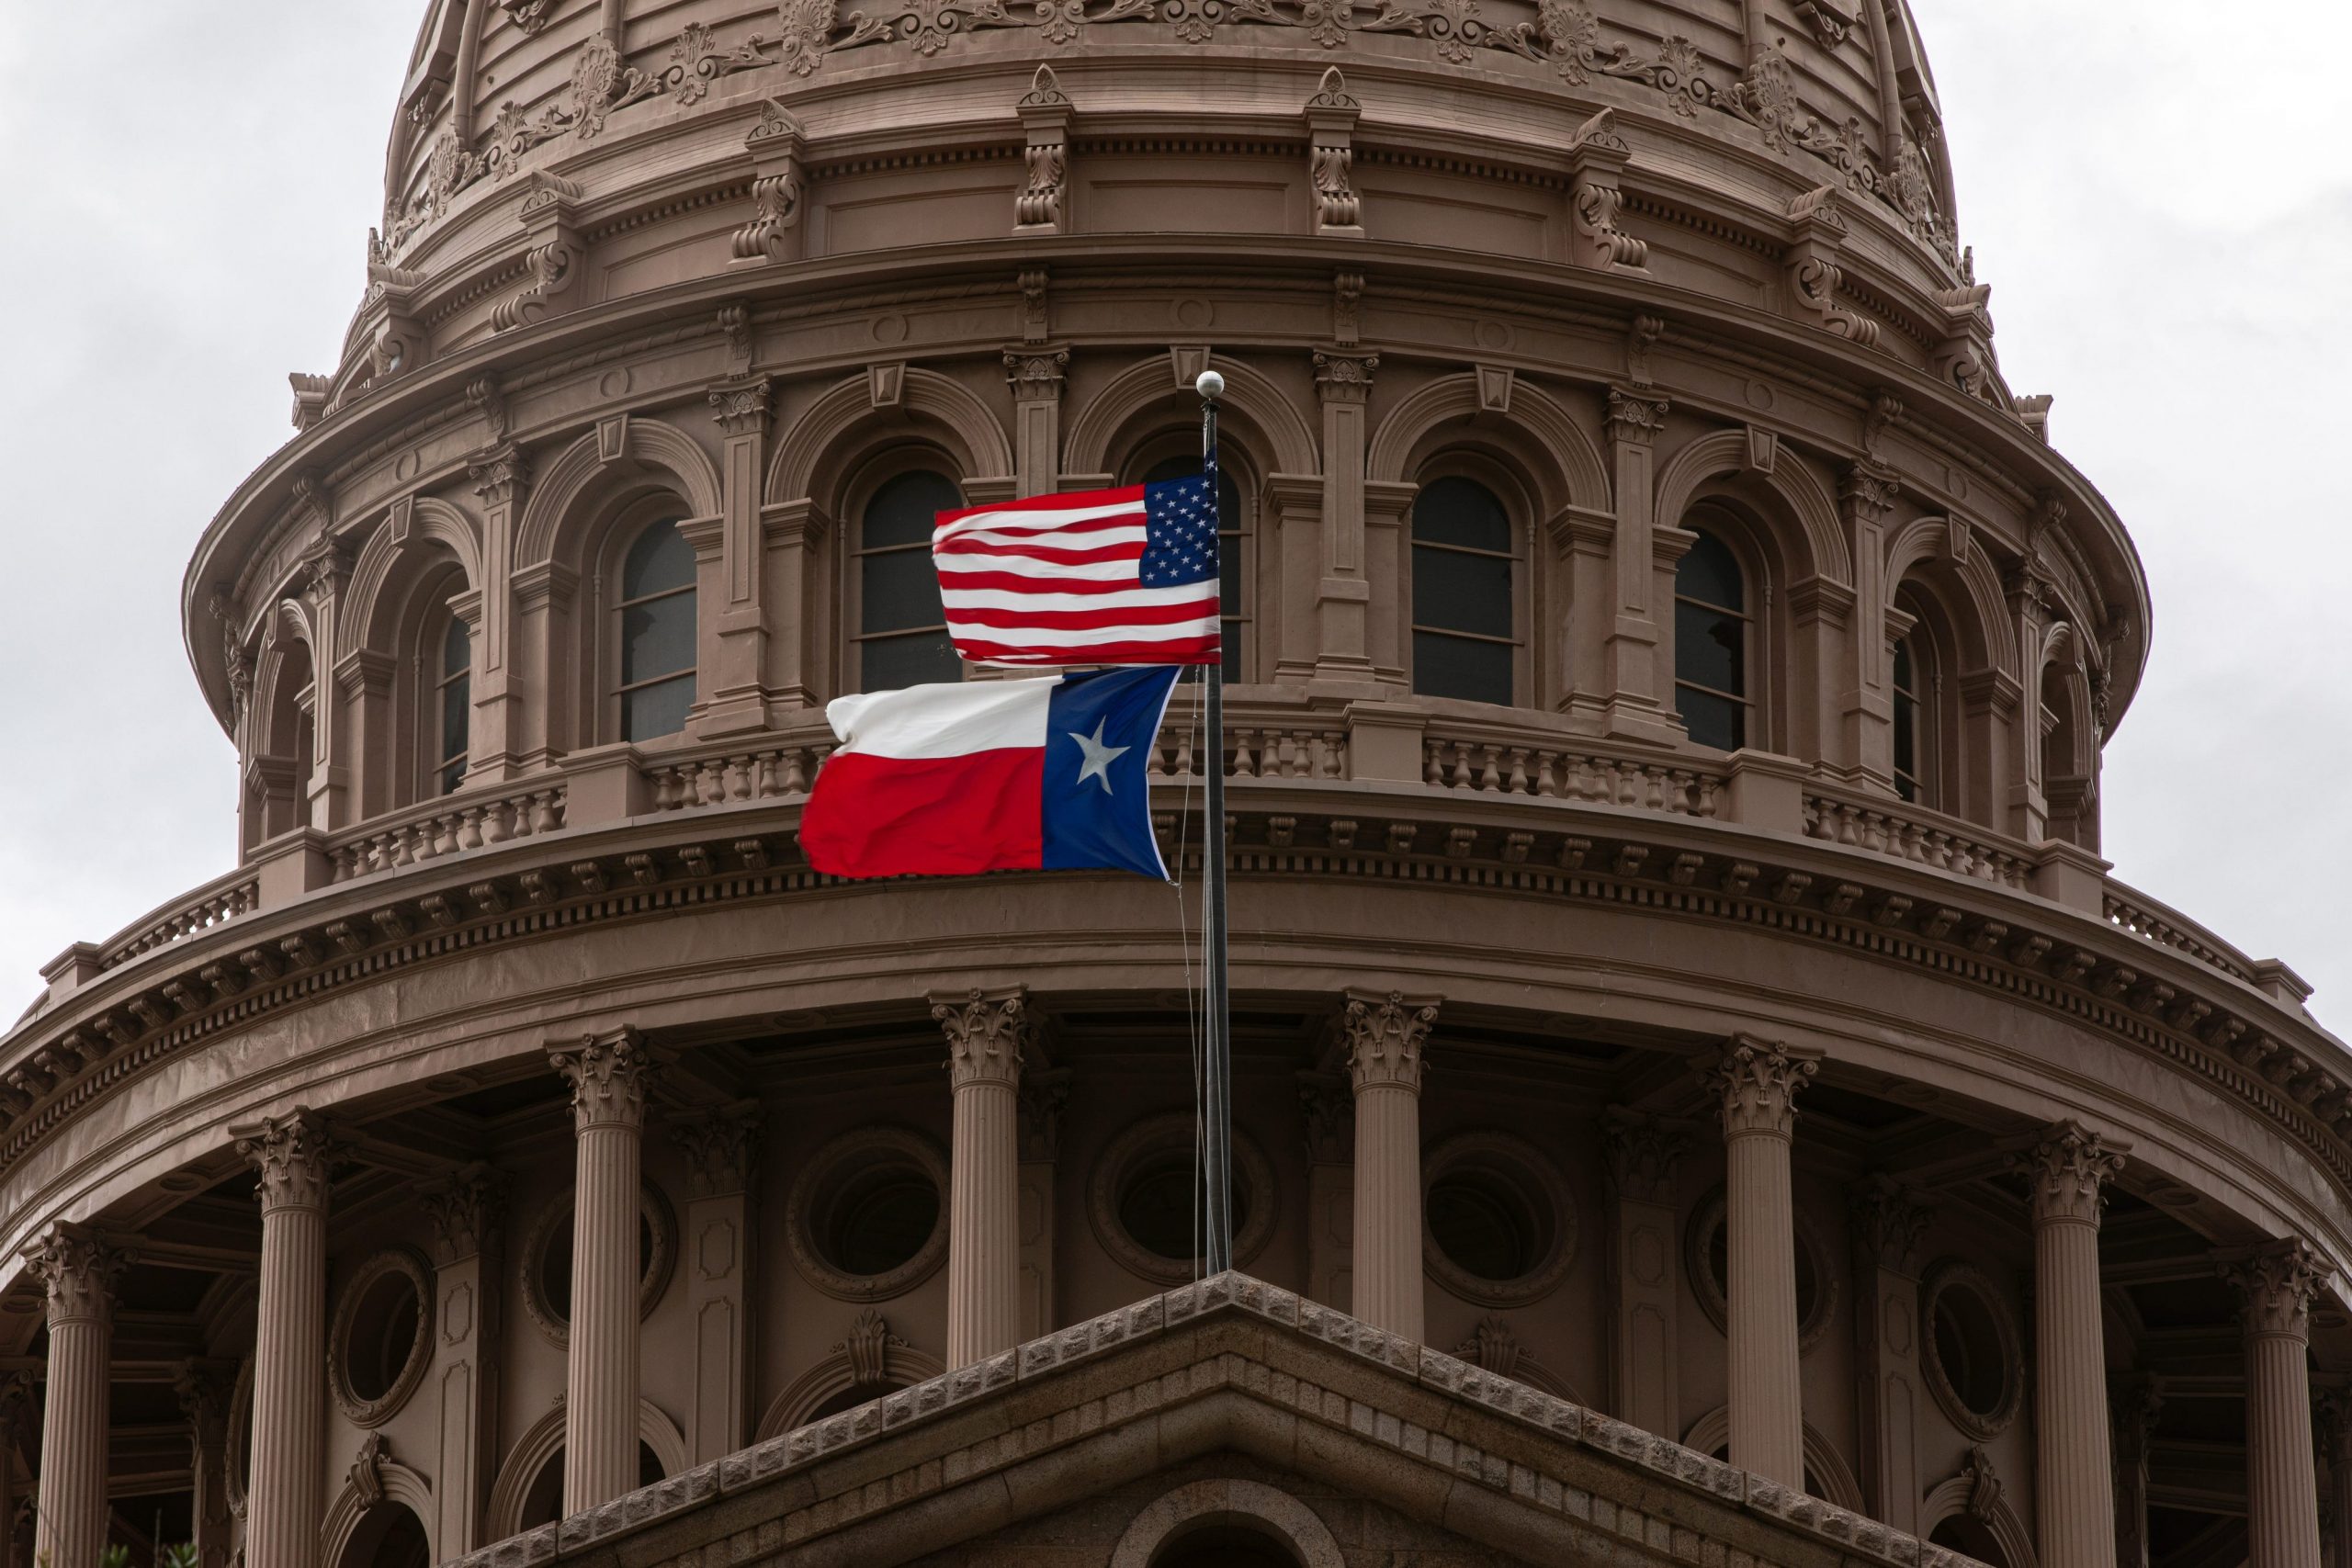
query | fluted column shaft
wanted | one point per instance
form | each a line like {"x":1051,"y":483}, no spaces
{"x":1758,"y":1081}
{"x":2275,"y":1286}
{"x":2076,"y":1475}
{"x":987,"y":1033}
{"x":609,"y":1075}
{"x":285,"y":1496}
{"x":1385,"y":1036}
{"x":79,"y":1267}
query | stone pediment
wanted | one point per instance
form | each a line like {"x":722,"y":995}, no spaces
{"x":1229,"y":1365}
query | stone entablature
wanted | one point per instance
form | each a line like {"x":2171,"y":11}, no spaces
{"x":1229,"y":1364}
{"x":1748,"y":868}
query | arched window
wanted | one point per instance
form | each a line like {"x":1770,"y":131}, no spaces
{"x":1232,"y":558}
{"x":1914,"y":734}
{"x":657,"y":633}
{"x":901,"y":629}
{"x":451,"y":720}
{"x":1712,"y":628}
{"x":1465,"y":624}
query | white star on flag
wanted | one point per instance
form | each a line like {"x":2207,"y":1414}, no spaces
{"x":1098,"y":757}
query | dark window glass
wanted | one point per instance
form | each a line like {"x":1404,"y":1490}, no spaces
{"x":1233,"y":604}
{"x":1906,"y":722}
{"x":902,"y":630}
{"x":657,"y":634}
{"x":1157,"y":1204}
{"x":456,"y":705}
{"x":1481,"y":1226}
{"x":1464,"y":620}
{"x":880,"y":1224}
{"x":1711,"y":633}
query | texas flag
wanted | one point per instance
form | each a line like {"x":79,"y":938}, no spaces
{"x":995,"y":775}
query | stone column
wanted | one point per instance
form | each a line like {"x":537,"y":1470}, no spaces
{"x":1862,"y":671}
{"x":1644,"y":1167}
{"x":1640,"y":693}
{"x":1888,"y":1221}
{"x":987,"y":1033}
{"x":1342,"y":591}
{"x":1329,"y":1110}
{"x":609,"y":1075}
{"x":1758,"y":1081}
{"x":2134,"y":1401}
{"x":326,"y":570}
{"x":1034,"y":370}
{"x":1043,"y":1096}
{"x":284,"y":1501}
{"x":79,"y":1267}
{"x":721,"y":1147}
{"x":466,"y":1209}
{"x":15,"y":1402}
{"x":2075,"y":1480}
{"x":735,"y":695}
{"x":1385,"y":1036}
{"x":2334,"y":1420}
{"x":2275,"y":1287}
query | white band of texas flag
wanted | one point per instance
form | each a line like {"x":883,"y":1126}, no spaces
{"x":1125,"y":576}
{"x":948,"y":780}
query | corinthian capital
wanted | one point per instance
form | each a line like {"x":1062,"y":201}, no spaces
{"x":2275,"y":1286}
{"x":609,"y":1075}
{"x":721,"y":1147}
{"x":2070,"y":1169}
{"x":1758,"y":1081}
{"x":465,"y":1208}
{"x":1384,"y":1034}
{"x":987,"y":1033}
{"x":291,"y":1153}
{"x":1889,"y":1219}
{"x":1645,"y":1155}
{"x":79,"y":1267}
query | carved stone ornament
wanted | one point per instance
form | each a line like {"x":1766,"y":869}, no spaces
{"x":1044,"y":1095}
{"x":742,"y":406}
{"x":499,"y":474}
{"x":1344,"y":377}
{"x":366,"y":1471}
{"x":1889,"y":1219}
{"x":2275,"y":1286}
{"x":1329,"y":1108}
{"x":292,"y":1153}
{"x":1492,"y":1346}
{"x":1758,"y":1081}
{"x":867,"y":1348}
{"x":775,"y":144}
{"x":1384,"y":1037}
{"x":1868,"y":492}
{"x":609,"y":1075}
{"x":2069,"y":1171}
{"x":1035,"y":377}
{"x":987,"y":1033}
{"x":720,"y":1147}
{"x":78,"y":1267}
{"x":1643,"y":1155}
{"x":1635,"y":416}
{"x":465,"y":1208}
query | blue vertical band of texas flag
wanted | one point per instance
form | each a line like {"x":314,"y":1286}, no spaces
{"x":950,"y":780}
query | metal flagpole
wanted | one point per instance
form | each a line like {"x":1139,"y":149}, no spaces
{"x":1217,"y":1076}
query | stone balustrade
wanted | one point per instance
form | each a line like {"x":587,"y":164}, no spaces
{"x":1913,"y":833}
{"x":2129,"y":910}
{"x":440,"y":828}
{"x":223,"y":899}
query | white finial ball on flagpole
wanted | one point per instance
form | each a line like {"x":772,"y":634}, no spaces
{"x":1210,"y":385}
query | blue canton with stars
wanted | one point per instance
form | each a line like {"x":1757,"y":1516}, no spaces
{"x":1180,"y":532}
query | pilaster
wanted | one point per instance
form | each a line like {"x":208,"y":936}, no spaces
{"x":467,"y":1209}
{"x":1887,"y":1223}
{"x":1642,"y":1165}
{"x":1640,"y":683}
{"x":500,"y":475}
{"x":1343,"y":588}
{"x":722,"y":1150}
{"x":734,"y":698}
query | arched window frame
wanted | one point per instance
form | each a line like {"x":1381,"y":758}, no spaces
{"x":1235,"y":461}
{"x":437,"y":596}
{"x":1749,"y":539}
{"x":1920,"y":618}
{"x":1516,"y":497}
{"x":610,"y":549}
{"x":865,"y":482}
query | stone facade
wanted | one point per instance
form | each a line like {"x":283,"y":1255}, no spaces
{"x":1606,"y":382}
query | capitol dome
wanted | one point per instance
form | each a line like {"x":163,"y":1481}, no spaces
{"x":1699,"y":1088}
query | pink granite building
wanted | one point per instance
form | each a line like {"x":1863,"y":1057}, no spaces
{"x":1703,"y":1098}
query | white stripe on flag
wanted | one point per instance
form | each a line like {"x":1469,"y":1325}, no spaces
{"x":945,"y":719}
{"x":1203,"y":595}
{"x":1057,"y":637}
{"x":1036,"y":517}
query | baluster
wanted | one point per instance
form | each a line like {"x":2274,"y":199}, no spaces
{"x":1242,"y":766}
{"x":1490,"y":768}
{"x":1516,"y":784}
{"x":469,"y":828}
{"x":1433,"y":764}
{"x":1319,"y":754}
{"x":442,"y":835}
{"x":555,"y":804}
{"x":1465,"y":771}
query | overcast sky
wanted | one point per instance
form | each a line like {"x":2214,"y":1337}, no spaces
{"x":2166,"y":219}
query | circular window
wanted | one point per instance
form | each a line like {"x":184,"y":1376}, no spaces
{"x":1142,"y":1199}
{"x":381,"y":1335}
{"x":869,"y":1214}
{"x":1974,"y":1365}
{"x":1497,"y":1225}
{"x":546,"y":1260}
{"x":1709,"y":1263}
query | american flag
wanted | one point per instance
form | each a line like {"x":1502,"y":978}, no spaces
{"x":1125,"y":576}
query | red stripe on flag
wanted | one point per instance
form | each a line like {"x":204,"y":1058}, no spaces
{"x":1076,"y":501}
{"x":873,"y":816}
{"x":1177,"y":651}
{"x":1059,"y":555}
{"x":1089,"y":620}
